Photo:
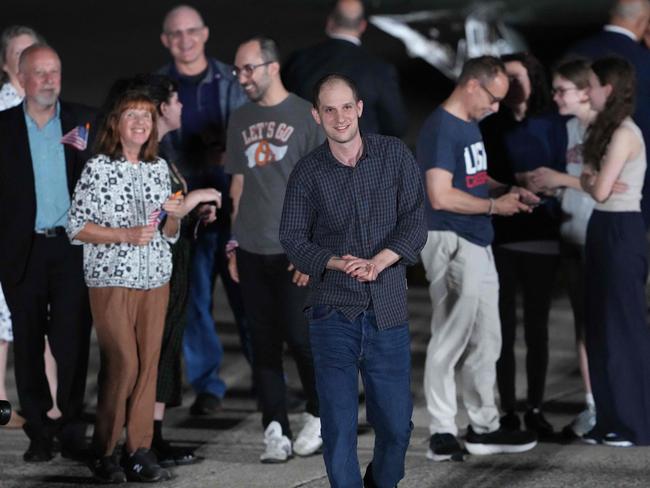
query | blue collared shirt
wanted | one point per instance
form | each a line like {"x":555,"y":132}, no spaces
{"x":50,"y":177}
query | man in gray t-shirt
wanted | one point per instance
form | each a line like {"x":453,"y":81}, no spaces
{"x":266,"y":138}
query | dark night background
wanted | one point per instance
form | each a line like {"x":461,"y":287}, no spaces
{"x":100,"y":41}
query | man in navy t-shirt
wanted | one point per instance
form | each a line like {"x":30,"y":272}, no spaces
{"x":465,"y":327}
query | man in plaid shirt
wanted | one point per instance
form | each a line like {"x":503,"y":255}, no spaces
{"x":353,"y":219}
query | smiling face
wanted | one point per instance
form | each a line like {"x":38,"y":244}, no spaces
{"x":257,"y":80}
{"x":40,"y":77}
{"x":134,"y":127}
{"x":338,"y":112}
{"x":185,"y":36}
{"x":567,"y":96}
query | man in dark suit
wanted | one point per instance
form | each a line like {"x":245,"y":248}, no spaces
{"x":621,"y":37}
{"x":41,"y":271}
{"x":383,"y":107}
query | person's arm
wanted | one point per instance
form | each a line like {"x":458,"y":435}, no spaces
{"x":236,"y":190}
{"x":443,"y":196}
{"x":298,"y":218}
{"x":623,"y":146}
{"x":92,"y":233}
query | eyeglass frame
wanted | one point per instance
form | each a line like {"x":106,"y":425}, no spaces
{"x":493,"y":99}
{"x":248,"y":69}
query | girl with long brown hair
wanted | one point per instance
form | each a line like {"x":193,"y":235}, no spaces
{"x":617,"y":334}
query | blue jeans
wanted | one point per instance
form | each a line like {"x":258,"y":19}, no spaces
{"x":202,"y":347}
{"x":341,"y":349}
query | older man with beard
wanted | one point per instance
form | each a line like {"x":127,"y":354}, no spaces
{"x":41,"y":272}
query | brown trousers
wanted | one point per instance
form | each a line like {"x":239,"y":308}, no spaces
{"x":129,"y":325}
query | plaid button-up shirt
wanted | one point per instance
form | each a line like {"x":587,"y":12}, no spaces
{"x":331,"y":210}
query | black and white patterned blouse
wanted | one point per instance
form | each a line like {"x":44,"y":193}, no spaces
{"x":117,"y":193}
{"x":9,"y":97}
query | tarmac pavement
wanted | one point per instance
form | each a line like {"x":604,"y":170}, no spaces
{"x":231,"y":441}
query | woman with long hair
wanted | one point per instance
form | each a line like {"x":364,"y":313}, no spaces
{"x":525,"y":246}
{"x":571,"y":95}
{"x":617,"y":334}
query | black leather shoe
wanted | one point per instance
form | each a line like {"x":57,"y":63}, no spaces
{"x":205,"y":404}
{"x":142,"y":466}
{"x":39,"y":451}
{"x":368,"y":480}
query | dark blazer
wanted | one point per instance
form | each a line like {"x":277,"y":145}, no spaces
{"x":377,"y":81}
{"x":17,"y":192}
{"x":607,"y":43}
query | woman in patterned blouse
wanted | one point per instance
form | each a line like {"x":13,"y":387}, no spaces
{"x":116,"y":211}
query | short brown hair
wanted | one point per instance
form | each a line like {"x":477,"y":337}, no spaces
{"x":483,"y":69}
{"x":329,"y":79}
{"x":108,"y":140}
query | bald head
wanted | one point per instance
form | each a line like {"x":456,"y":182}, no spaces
{"x":347,"y":17}
{"x":39,"y":73}
{"x":184,"y":35}
{"x":184,"y":12}
{"x":632,"y":15}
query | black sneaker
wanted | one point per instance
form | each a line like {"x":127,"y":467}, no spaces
{"x":205,"y":404}
{"x":616,"y":440}
{"x":510,"y":421}
{"x":39,"y":451}
{"x":169,"y":455}
{"x":444,"y":447}
{"x":592,"y":437}
{"x":499,"y":441}
{"x":143,"y":466}
{"x":536,"y":422}
{"x":107,"y":470}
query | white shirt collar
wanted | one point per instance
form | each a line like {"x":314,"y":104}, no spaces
{"x":344,"y":37}
{"x":621,"y":30}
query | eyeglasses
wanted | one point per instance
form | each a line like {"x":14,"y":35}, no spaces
{"x":561,"y":90}
{"x":247,"y":69}
{"x":493,"y":99}
{"x":192,"y":32}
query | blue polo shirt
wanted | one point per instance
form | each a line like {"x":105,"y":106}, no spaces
{"x":50,"y":177}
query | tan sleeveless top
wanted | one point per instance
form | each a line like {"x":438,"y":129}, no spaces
{"x":633,"y":174}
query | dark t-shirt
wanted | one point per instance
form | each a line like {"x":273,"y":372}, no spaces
{"x":449,"y":143}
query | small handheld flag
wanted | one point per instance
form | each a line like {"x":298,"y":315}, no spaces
{"x":159,"y":214}
{"x":77,"y":137}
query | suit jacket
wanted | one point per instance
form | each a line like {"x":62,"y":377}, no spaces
{"x":377,"y":81}
{"x":606,"y":43}
{"x":17,"y":191}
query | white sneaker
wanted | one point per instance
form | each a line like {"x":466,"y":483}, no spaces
{"x":584,"y":422}
{"x":309,"y":440}
{"x":278,"y":446}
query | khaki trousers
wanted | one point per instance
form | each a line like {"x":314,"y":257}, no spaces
{"x":129,"y":325}
{"x":465,"y":332}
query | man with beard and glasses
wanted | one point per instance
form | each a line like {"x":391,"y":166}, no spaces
{"x":266,"y":138}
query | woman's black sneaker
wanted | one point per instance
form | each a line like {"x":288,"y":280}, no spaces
{"x":536,"y":422}
{"x":169,"y":455}
{"x":510,"y":421}
{"x":107,"y":470}
{"x":143,"y":466}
